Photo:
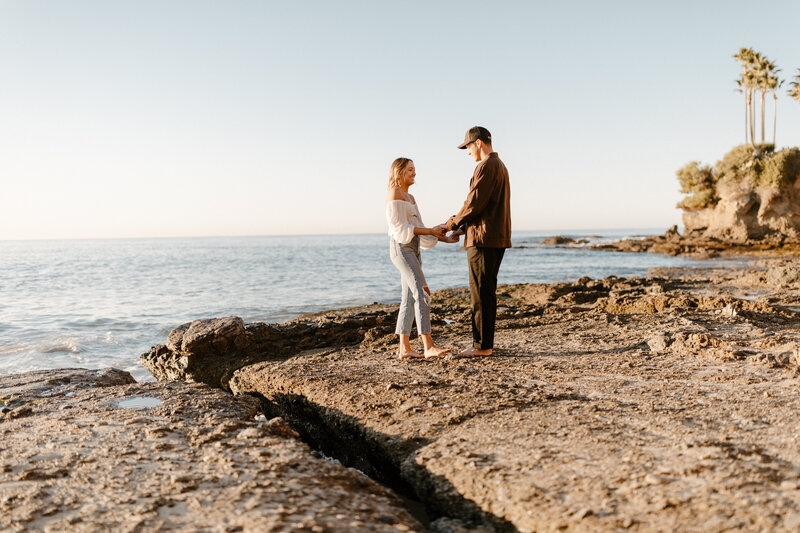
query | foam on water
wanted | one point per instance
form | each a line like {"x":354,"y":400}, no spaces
{"x":66,"y":345}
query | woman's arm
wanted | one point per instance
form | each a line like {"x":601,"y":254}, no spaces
{"x":436,"y":231}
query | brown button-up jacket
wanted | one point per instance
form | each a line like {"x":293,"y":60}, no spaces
{"x":486,"y":213}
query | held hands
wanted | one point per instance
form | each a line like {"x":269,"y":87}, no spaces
{"x":439,"y":231}
{"x":452,"y":238}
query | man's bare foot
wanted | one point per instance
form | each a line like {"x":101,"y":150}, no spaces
{"x":409,"y":355}
{"x":430,"y":353}
{"x":474,"y":352}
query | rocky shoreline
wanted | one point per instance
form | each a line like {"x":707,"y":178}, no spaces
{"x":643,"y":404}
{"x":690,"y":244}
{"x":704,"y":247}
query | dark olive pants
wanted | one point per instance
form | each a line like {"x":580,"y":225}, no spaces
{"x":484,"y":264}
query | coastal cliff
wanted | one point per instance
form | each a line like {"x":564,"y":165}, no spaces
{"x":746,"y":204}
{"x":750,"y":194}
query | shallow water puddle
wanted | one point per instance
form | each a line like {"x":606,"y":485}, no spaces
{"x":138,"y":402}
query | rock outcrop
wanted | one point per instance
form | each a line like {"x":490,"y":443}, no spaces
{"x":210,"y":350}
{"x":750,"y":194}
{"x":84,"y":450}
{"x":748,"y":204}
{"x":645,"y":403}
{"x":561,"y":240}
{"x":747,"y":213}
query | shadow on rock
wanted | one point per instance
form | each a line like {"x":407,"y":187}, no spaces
{"x":389,"y":459}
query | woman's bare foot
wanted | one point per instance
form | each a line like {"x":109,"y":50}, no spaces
{"x":435,"y":351}
{"x":402,"y":354}
{"x":474,"y":352}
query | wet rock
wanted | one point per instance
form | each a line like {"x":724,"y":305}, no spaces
{"x":561,"y":240}
{"x":17,"y":390}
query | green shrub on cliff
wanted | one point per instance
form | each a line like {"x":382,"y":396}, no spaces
{"x":699,"y":182}
{"x":699,"y":200}
{"x":780,"y":168}
{"x":742,"y":164}
{"x":757,"y":167}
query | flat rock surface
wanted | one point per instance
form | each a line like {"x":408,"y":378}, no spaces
{"x":666,"y":403}
{"x":88,"y":450}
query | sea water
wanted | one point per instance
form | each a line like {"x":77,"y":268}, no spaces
{"x":99,"y":303}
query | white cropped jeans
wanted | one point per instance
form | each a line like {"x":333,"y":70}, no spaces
{"x":414,"y":301}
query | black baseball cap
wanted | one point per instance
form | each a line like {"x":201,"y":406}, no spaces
{"x":475,"y":133}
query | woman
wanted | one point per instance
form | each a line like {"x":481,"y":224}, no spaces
{"x":408,"y":235}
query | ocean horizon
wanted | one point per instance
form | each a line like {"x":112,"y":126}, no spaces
{"x":94,"y":303}
{"x":579,"y":232}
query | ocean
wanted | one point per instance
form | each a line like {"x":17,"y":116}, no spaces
{"x":98,"y":303}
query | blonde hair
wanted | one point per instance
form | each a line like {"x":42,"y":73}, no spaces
{"x":398,"y":166}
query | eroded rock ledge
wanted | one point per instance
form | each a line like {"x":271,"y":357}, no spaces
{"x":210,"y":350}
{"x":646,"y":403}
{"x":74,"y":458}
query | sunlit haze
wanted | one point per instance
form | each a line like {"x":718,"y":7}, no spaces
{"x":196,"y":118}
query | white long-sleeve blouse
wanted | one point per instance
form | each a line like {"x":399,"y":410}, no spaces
{"x":403,"y":217}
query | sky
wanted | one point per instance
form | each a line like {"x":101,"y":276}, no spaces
{"x":206,"y":118}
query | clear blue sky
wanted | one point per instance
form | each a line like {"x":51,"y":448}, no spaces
{"x":189,"y":118}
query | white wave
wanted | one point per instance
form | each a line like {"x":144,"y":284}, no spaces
{"x":62,"y":345}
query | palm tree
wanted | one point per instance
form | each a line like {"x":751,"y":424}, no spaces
{"x":750,"y":81}
{"x":742,"y":87}
{"x":743,"y":56}
{"x":794,"y":92}
{"x":759,"y":74}
{"x":766,"y":80}
{"x":747,"y":83}
{"x":774,"y":85}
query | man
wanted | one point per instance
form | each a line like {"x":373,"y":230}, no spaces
{"x":486,"y":219}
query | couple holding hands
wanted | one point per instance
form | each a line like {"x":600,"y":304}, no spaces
{"x":485,"y":219}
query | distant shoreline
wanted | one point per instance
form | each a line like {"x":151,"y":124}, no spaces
{"x":545,"y":232}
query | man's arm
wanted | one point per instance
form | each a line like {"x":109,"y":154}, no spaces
{"x":480,"y":193}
